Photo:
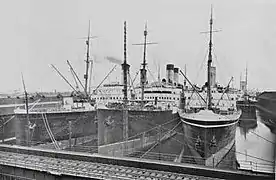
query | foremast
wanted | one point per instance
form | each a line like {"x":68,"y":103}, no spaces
{"x":87,"y":61}
{"x":209,"y":95}
{"x":125,"y":66}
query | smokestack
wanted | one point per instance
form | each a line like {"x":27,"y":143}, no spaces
{"x":175,"y":75}
{"x":170,"y":73}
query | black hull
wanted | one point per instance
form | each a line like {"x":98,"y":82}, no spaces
{"x":83,"y":123}
{"x":7,"y":128}
{"x":7,"y":120}
{"x":248,"y":109}
{"x":209,"y":146}
{"x":142,"y":126}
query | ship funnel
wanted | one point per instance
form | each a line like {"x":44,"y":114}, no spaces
{"x":175,"y":75}
{"x":170,"y":73}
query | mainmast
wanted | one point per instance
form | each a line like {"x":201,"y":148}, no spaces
{"x":209,"y":95}
{"x":143,"y":70}
{"x":87,"y":63}
{"x":125,"y":66}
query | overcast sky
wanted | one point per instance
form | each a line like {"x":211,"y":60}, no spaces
{"x":35,"y":34}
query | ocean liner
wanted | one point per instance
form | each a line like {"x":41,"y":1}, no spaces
{"x":167,"y":91}
{"x":129,"y":126}
{"x":247,"y":103}
{"x":74,"y":117}
{"x":210,"y":130}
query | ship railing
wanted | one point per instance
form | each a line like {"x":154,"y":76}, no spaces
{"x":225,"y":164}
{"x":61,"y":109}
{"x":256,"y":166}
{"x":167,"y":157}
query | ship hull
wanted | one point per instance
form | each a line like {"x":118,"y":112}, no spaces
{"x":138,"y":127}
{"x":267,"y":109}
{"x":7,"y":120}
{"x":209,"y":144}
{"x":7,"y":128}
{"x":248,"y":109}
{"x":83,"y":123}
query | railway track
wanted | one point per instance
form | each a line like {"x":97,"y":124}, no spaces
{"x":88,"y":169}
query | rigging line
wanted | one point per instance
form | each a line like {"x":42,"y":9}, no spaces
{"x":54,"y":143}
{"x":225,"y":91}
{"x":195,"y":100}
{"x":106,"y":77}
{"x":262,"y":137}
{"x":151,"y":74}
{"x":51,"y":133}
{"x":188,"y":103}
{"x":34,"y":104}
{"x":141,"y":133}
{"x":158,"y":87}
{"x":201,"y":66}
{"x":80,"y":117}
{"x":49,"y":129}
{"x":183,"y":143}
{"x":193,"y":86}
{"x":7,"y":121}
{"x":131,"y":83}
{"x":136,"y":75}
{"x":90,"y":77}
{"x":64,"y":78}
{"x":159,"y":140}
{"x":216,"y":58}
{"x":76,"y":82}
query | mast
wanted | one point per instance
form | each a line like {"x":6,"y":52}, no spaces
{"x":143,"y":70}
{"x":159,"y":73}
{"x":87,"y":62}
{"x":246,"y":79}
{"x":125,"y":66}
{"x":185,"y":72}
{"x":27,"y":111}
{"x":209,"y":95}
{"x":240,"y":81}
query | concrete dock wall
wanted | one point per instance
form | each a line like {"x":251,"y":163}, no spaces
{"x":141,"y":163}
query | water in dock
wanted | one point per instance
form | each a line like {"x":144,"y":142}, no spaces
{"x":255,"y":145}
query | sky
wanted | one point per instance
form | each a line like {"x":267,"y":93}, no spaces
{"x":35,"y":34}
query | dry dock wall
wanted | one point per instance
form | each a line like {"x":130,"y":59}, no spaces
{"x":141,"y":163}
{"x":10,"y":172}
